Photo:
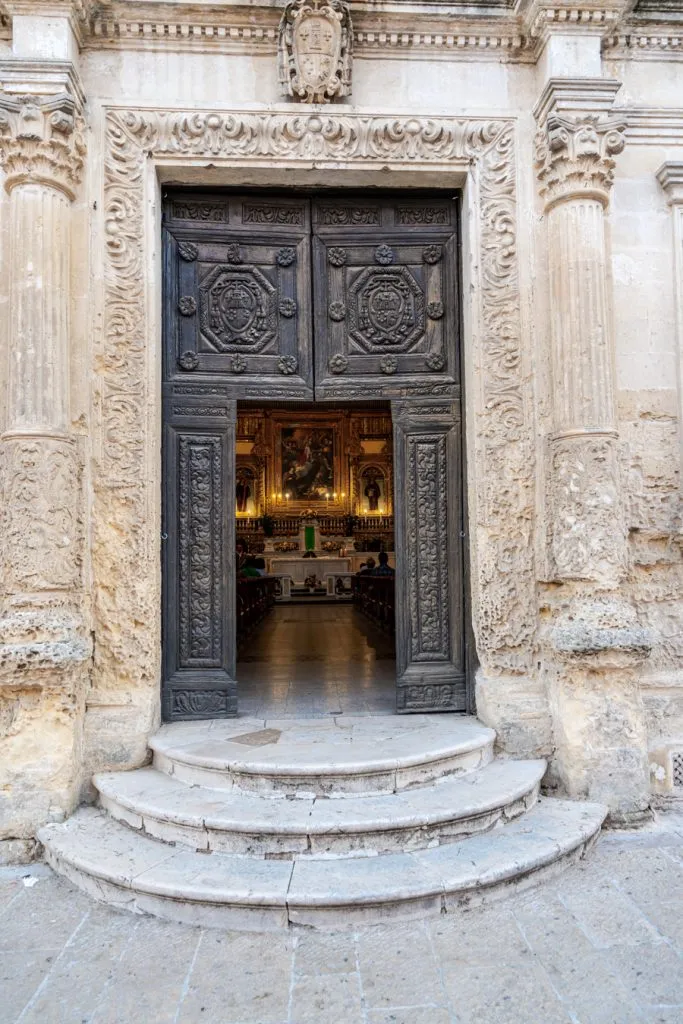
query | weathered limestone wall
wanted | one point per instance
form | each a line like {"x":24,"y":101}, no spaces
{"x":573,"y":386}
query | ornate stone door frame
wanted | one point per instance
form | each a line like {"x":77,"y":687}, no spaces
{"x":147,"y":147}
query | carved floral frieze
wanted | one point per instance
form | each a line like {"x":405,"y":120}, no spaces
{"x":503,"y":570}
{"x":575,"y":156}
{"x":42,"y":140}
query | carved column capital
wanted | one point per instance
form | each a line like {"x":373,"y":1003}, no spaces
{"x":574,"y":157}
{"x":42,"y":141}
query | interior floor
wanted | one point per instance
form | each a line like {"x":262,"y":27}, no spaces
{"x":309,"y":661}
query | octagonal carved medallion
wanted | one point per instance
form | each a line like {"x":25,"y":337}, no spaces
{"x":238,"y":309}
{"x":386,"y":309}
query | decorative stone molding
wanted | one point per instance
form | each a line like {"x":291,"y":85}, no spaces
{"x":670,"y":177}
{"x":543,"y":17}
{"x":502,"y":505}
{"x":575,"y":157}
{"x":42,"y":141}
{"x":661,"y":44}
{"x":574,"y":97}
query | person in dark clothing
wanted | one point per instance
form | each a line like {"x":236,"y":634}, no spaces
{"x":250,"y":569}
{"x":368,"y":568}
{"x":383,"y":569}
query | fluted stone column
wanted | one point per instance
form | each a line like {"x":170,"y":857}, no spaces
{"x":44,"y":648}
{"x":595,"y":641}
{"x":670,"y":177}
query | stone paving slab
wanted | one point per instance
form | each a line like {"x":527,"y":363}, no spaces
{"x":601,"y":944}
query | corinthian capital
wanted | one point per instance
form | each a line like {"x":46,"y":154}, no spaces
{"x":575,"y":156}
{"x":41,"y":140}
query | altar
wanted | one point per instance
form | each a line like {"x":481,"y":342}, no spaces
{"x":300,"y":568}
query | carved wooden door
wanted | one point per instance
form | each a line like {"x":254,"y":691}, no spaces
{"x":248,"y":315}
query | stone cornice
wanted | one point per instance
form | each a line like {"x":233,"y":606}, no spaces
{"x":493,"y":31}
{"x":41,"y":78}
{"x":41,"y":141}
{"x":575,"y":157}
{"x":78,"y":12}
{"x":654,"y":126}
{"x":541,"y":18}
{"x":575,"y":96}
{"x":670,"y":177}
{"x":645,"y":42}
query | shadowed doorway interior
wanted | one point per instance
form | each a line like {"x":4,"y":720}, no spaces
{"x":315,"y":587}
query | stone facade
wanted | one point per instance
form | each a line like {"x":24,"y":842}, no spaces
{"x":563,"y":126}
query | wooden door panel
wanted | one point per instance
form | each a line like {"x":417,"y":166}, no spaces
{"x":430,"y":641}
{"x":238,"y":293}
{"x":198,"y":553}
{"x":385,"y":297}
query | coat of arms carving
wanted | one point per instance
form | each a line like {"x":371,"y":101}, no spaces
{"x":316,"y":40}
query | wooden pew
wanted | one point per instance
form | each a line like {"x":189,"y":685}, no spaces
{"x":375,"y":596}
{"x":255,"y":597}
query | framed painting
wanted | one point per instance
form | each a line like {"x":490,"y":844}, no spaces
{"x":307,"y":466}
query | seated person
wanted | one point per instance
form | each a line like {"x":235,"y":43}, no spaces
{"x":240,"y":554}
{"x":367,"y":568}
{"x":249,"y":568}
{"x":383,"y":569}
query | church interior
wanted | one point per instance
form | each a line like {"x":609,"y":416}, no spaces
{"x":315,"y":559}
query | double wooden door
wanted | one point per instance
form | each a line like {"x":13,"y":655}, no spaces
{"x":335,"y":297}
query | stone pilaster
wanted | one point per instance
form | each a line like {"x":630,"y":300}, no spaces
{"x":595,"y":642}
{"x":670,"y":177}
{"x":575,"y":165}
{"x":44,"y":645}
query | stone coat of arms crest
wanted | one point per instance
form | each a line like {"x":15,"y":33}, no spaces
{"x":316,"y":40}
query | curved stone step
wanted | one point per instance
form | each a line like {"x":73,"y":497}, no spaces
{"x":131,"y":870}
{"x":321,"y":757}
{"x":235,"y":822}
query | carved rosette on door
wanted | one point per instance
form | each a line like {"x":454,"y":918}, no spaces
{"x":239,"y":278}
{"x":386,"y":297}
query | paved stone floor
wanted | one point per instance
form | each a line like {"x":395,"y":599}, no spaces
{"x":601,"y":944}
{"x":306,"y":660}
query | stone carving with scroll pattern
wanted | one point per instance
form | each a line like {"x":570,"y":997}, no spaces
{"x":42,"y":140}
{"x":574,"y":156}
{"x":503,"y":570}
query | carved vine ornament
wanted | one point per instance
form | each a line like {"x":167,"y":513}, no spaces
{"x":316,"y":40}
{"x":42,"y":141}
